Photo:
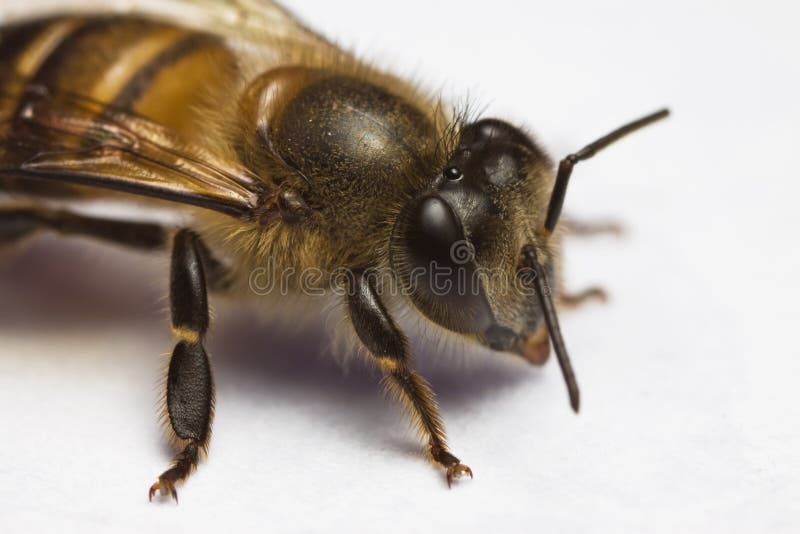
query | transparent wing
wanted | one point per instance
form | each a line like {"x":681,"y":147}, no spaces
{"x":68,"y":138}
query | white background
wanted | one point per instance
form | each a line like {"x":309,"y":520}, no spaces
{"x":690,"y":419}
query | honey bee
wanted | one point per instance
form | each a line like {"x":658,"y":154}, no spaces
{"x":283,"y":149}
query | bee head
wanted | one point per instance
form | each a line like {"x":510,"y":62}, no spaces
{"x":474,"y":250}
{"x":457,"y":245}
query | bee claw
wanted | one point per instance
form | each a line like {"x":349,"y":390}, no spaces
{"x":163,"y":487}
{"x":457,"y":471}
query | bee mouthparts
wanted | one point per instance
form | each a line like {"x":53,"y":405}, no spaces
{"x":535,"y":347}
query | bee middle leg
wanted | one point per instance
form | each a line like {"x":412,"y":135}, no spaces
{"x":19,"y":222}
{"x":190,"y":386}
{"x":389,"y":347}
{"x":582,"y":228}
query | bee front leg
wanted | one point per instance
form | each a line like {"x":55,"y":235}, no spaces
{"x":579,"y":228}
{"x":577,"y":299}
{"x":582,"y":228}
{"x":389,"y":347}
{"x":190,"y":387}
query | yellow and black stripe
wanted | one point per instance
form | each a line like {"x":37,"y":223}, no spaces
{"x":157,"y":70}
{"x":163,"y":72}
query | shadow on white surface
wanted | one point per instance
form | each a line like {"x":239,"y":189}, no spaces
{"x":80,"y":287}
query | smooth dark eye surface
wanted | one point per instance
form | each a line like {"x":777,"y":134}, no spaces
{"x":433,"y":229}
{"x":492,"y":153}
{"x":453,"y":173}
{"x":503,"y":166}
{"x":438,"y":268}
{"x":492,"y":131}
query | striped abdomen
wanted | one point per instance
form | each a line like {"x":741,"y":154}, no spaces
{"x":160,"y":71}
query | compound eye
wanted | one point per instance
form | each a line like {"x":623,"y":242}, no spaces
{"x":433,"y":229}
{"x":504,"y":165}
{"x":492,"y":152}
{"x":492,"y":131}
{"x":438,"y":267}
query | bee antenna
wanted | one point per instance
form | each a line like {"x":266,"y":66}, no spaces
{"x":531,"y":260}
{"x":566,"y":164}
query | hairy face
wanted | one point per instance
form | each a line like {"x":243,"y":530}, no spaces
{"x":457,"y":245}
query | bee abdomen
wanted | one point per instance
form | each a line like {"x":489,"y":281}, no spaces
{"x":25,"y":47}
{"x":125,"y":62}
